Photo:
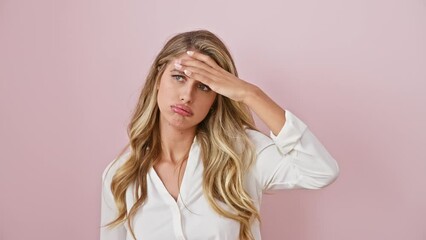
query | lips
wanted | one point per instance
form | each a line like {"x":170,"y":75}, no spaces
{"x":182,"y":110}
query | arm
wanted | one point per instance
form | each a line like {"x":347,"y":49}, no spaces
{"x":108,"y":209}
{"x":297,"y":159}
{"x":264,"y":107}
{"x":294,"y":158}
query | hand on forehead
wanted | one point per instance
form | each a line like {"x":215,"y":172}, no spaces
{"x":184,"y":56}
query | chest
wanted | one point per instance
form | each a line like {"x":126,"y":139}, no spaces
{"x":171,"y":176}
{"x":190,"y":217}
{"x":173,"y":212}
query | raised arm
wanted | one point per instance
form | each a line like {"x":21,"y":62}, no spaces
{"x":293,"y":157}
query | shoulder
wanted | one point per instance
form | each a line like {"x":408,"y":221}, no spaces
{"x":113,"y":166}
{"x":259,"y":139}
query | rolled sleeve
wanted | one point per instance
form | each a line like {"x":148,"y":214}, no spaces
{"x":290,"y":134}
{"x":294,"y":158}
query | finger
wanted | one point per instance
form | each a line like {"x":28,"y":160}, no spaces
{"x":198,"y":74}
{"x":198,"y":64}
{"x":217,"y":74}
{"x":204,"y":58}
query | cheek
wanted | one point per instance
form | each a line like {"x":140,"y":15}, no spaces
{"x":207,"y":103}
{"x":162,"y":96}
{"x":164,"y":90}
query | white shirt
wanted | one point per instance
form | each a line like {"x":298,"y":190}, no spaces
{"x":292,"y":159}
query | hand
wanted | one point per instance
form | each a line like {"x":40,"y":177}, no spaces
{"x":204,"y":69}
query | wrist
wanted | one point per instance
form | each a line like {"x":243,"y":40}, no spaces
{"x":252,"y":92}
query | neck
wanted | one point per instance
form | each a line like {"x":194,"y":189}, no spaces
{"x":175,"y":143}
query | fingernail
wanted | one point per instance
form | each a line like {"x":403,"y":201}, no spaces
{"x":178,"y":66}
{"x":187,"y":72}
{"x":190,"y":53}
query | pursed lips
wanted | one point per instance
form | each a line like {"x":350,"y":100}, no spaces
{"x":182,"y":109}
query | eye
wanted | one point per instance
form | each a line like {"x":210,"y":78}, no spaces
{"x":203,"y":87}
{"x":178,"y":78}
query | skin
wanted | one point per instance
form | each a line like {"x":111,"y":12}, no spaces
{"x":175,"y":88}
{"x":177,"y":129}
{"x":202,"y":68}
{"x":198,"y":71}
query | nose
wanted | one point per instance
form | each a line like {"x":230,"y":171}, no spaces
{"x":187,"y":93}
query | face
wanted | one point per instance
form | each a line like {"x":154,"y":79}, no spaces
{"x":183,"y":102}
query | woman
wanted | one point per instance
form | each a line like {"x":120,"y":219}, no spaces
{"x":197,"y":167}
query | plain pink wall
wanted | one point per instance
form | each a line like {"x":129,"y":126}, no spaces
{"x":354,"y":71}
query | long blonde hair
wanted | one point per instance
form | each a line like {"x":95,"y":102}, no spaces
{"x":227,"y":152}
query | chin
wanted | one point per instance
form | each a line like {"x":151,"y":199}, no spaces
{"x":182,"y":123}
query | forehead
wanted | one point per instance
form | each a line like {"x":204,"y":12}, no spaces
{"x":183,"y":56}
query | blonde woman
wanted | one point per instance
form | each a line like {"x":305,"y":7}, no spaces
{"x":195,"y":166}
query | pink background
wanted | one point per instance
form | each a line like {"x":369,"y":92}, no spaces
{"x":354,"y":71}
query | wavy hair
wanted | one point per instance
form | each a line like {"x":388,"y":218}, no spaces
{"x":227,"y":152}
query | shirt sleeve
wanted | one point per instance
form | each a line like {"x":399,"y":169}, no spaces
{"x":293,"y":159}
{"x":109,"y":211}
